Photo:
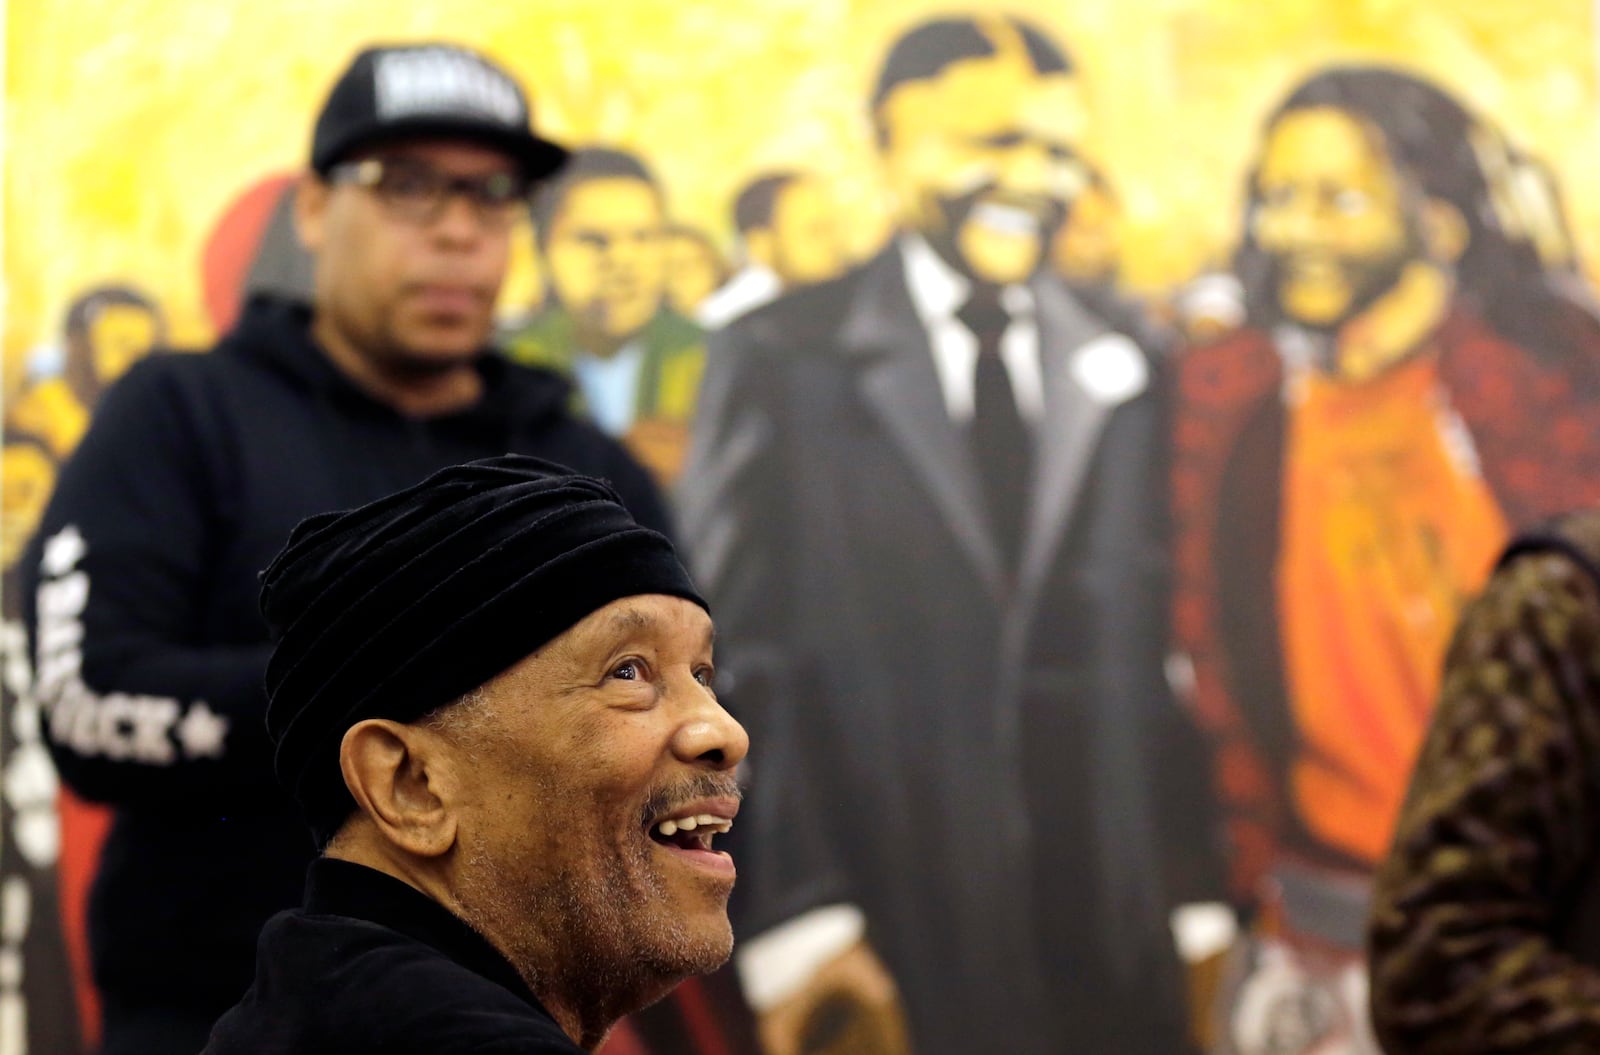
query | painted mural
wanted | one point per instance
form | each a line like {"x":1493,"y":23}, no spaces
{"x":1354,"y":246}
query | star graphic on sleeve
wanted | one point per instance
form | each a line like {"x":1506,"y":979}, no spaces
{"x":202,"y":732}
{"x":63,"y":552}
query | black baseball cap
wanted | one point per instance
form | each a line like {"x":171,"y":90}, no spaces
{"x":420,"y":90}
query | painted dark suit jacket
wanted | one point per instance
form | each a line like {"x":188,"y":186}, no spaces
{"x":1534,"y":422}
{"x":970,"y":756}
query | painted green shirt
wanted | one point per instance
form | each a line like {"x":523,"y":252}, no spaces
{"x":674,"y":359}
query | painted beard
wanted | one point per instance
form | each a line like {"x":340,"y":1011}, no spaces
{"x":1367,"y":279}
{"x":603,"y":316}
{"x":1000,"y":211}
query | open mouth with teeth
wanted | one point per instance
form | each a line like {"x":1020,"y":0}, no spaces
{"x":692,"y":831}
{"x":1006,"y":218}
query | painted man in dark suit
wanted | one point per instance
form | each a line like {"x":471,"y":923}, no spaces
{"x":925,"y":498}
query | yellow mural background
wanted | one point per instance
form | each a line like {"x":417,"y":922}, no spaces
{"x":131,"y":124}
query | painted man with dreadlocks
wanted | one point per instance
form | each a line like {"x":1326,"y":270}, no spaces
{"x":1410,"y":386}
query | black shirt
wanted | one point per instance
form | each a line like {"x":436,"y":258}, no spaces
{"x":371,"y":964}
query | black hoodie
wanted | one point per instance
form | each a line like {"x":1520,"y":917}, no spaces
{"x":141,"y":608}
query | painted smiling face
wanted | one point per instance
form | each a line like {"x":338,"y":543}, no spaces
{"x":983,"y":158}
{"x":1331,"y":216}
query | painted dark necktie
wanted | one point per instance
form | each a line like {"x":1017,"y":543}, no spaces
{"x":1002,"y":444}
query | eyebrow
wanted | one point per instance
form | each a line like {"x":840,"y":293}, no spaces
{"x":633,"y":621}
{"x":629,"y":620}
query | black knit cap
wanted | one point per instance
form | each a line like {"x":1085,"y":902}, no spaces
{"x":408,"y":603}
{"x":411,"y":91}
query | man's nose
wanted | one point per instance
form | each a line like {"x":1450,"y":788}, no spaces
{"x":1299,"y":223}
{"x":710,"y":735}
{"x":458,"y":221}
{"x":631,"y":251}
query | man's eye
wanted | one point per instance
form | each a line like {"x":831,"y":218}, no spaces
{"x":627,"y":670}
{"x":408,"y":183}
{"x":705,"y":676}
{"x":501,"y":189}
{"x":1000,"y":141}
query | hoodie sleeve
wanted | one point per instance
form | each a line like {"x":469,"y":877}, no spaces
{"x":143,"y":707}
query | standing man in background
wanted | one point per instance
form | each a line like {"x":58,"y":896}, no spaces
{"x":150,"y":651}
{"x":926,"y":503}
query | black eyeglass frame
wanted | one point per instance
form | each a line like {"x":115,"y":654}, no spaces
{"x":498,"y":199}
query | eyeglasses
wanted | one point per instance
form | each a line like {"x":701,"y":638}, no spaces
{"x":417,"y":192}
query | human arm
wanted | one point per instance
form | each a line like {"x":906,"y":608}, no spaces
{"x":848,"y":1004}
{"x":143,"y":707}
{"x":1496,"y":833}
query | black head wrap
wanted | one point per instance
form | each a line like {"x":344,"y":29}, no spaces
{"x":406,"y":604}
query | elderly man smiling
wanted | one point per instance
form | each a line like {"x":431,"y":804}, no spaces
{"x":491,"y":694}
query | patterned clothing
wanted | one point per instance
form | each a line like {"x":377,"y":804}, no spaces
{"x":1485,"y":936}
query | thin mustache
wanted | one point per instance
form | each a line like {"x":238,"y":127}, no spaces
{"x":705,"y":786}
{"x":1048,"y":211}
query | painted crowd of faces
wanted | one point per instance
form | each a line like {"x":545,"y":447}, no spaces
{"x":615,"y":254}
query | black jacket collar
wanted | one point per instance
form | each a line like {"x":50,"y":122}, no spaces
{"x":343,"y":888}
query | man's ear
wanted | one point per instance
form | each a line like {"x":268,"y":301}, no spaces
{"x":1444,"y":231}
{"x":394,"y":772}
{"x":310,"y":210}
